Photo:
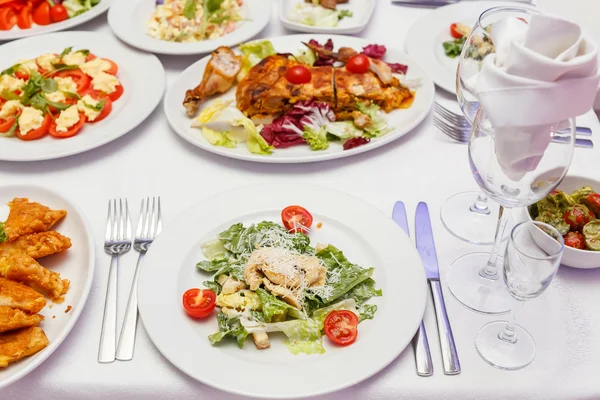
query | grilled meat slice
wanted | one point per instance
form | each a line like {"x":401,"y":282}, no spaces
{"x":219,"y":76}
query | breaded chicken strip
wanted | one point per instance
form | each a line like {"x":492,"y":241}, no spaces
{"x":38,"y":245}
{"x":26,"y":217}
{"x":20,"y":267}
{"x":17,"y":295}
{"x":20,"y":344}
{"x":12,"y":319}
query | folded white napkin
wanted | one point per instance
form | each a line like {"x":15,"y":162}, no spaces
{"x":542,"y":73}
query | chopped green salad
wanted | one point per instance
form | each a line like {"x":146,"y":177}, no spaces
{"x":267,"y":278}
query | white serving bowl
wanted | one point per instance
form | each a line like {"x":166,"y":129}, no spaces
{"x":574,"y":258}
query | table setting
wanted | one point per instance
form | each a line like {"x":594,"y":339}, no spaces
{"x":431,"y":228}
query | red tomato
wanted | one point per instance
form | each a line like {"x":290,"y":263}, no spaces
{"x":454,"y":32}
{"x":575,"y":240}
{"x":90,"y":57}
{"x":298,"y":75}
{"x":81,"y":79}
{"x":113,"y":67}
{"x":24,"y":19}
{"x":8,"y":18}
{"x":114,"y":96}
{"x":592,"y":201}
{"x":41,"y":14}
{"x":72,"y":131}
{"x":577,"y":216}
{"x":199,"y":303}
{"x":36,"y":133}
{"x":296,"y":219}
{"x":341,"y":327}
{"x":105,"y":111}
{"x":6,"y":124}
{"x":58,"y":13}
{"x":358,"y":64}
{"x":22,"y":75}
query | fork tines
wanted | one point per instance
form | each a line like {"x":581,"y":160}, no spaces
{"x":118,"y":224}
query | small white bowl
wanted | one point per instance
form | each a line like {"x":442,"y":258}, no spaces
{"x":574,"y":258}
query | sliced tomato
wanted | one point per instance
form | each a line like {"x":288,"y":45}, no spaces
{"x":296,"y":219}
{"x":105,"y":111}
{"x":90,"y":57}
{"x":8,"y":18}
{"x":22,"y":75}
{"x":96,"y":94}
{"x":113,"y":67}
{"x":41,"y":14}
{"x":36,"y":133}
{"x":199,"y":303}
{"x":341,"y":327}
{"x":114,"y":96}
{"x":24,"y":18}
{"x":72,"y":131}
{"x":58,"y":13}
{"x":81,"y":79}
{"x":455,"y":32}
{"x":6,"y":124}
{"x":358,"y":64}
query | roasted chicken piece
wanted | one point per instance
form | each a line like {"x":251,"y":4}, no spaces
{"x":219,"y":76}
{"x":19,"y":344}
{"x":19,"y":296}
{"x":331,"y":4}
{"x":286,"y":294}
{"x":12,"y":319}
{"x":27,"y":217}
{"x":38,"y":245}
{"x":230,"y":285}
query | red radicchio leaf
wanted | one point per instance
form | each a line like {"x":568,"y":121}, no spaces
{"x":355,"y":142}
{"x":398,"y":68}
{"x":322,"y":59}
{"x":374,"y":51}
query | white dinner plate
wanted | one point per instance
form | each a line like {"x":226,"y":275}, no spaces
{"x":425,"y":38}
{"x":403,"y":121}
{"x":368,"y":238}
{"x":127,"y":19}
{"x":76,"y":264}
{"x":141,"y":74}
{"x":18,"y":33}
{"x":362,"y":12}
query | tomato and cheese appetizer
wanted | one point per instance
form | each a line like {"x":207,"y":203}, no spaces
{"x":56,"y":94}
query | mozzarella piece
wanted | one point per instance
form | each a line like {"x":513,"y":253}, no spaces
{"x":66,"y":84}
{"x":104,"y":82}
{"x":10,"y":83}
{"x":10,"y":108}
{"x":45,"y":61}
{"x":95,"y":67}
{"x":27,"y":66}
{"x":57,"y":96}
{"x":90,"y":113}
{"x":77,"y":58}
{"x":30,"y":119}
{"x":67,"y":119}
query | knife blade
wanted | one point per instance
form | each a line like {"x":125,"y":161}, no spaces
{"x":426,"y":248}
{"x":425,"y":3}
{"x":420,"y":341}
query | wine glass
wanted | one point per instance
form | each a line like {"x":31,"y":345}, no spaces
{"x":467,"y":215}
{"x":473,"y":278}
{"x":532,"y":258}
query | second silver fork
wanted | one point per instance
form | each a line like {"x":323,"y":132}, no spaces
{"x":148,"y":227}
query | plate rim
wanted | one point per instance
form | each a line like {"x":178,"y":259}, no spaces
{"x":295,"y":26}
{"x":152,"y":58}
{"x":427,"y":85}
{"x":205,"y":49}
{"x":43,"y":355}
{"x":388,"y":361}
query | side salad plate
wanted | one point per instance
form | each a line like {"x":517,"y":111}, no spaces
{"x":187,"y":26}
{"x":269,"y":295}
{"x":300,"y":98}
{"x":71,"y":93}
{"x":326,"y":16}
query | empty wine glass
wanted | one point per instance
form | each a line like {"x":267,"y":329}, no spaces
{"x":532,"y":258}
{"x":473,"y":278}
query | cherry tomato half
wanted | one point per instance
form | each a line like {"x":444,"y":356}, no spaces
{"x":577,"y":216}
{"x":358,"y":64}
{"x":41,"y":14}
{"x":341,"y":327}
{"x":575,"y":240}
{"x":36,"y":133}
{"x":298,"y":75}
{"x":72,"y":131}
{"x":58,"y":13}
{"x":455,"y":32}
{"x":8,"y":18}
{"x":592,"y":201}
{"x":199,"y":303}
{"x":296,"y":219}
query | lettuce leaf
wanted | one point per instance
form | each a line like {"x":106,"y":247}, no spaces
{"x":366,"y":311}
{"x":343,"y":129}
{"x":256,"y":143}
{"x":316,"y":138}
{"x":253,"y":53}
{"x":214,"y":249}
{"x":363,"y":292}
{"x":321,"y":313}
{"x":220,"y":139}
{"x":379,"y":125}
{"x":305,"y":346}
{"x":272,"y":307}
{"x":212,"y":265}
{"x":214,"y":286}
{"x":3,"y":236}
{"x":229,"y":327}
{"x":297,"y":329}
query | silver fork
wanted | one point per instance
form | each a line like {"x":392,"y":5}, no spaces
{"x":148,"y":227}
{"x":116,"y":242}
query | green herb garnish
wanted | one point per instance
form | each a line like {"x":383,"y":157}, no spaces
{"x":189,"y":9}
{"x":345,"y":13}
{"x":453,"y":48}
{"x":3,"y":236}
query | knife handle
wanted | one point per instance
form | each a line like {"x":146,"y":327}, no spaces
{"x":422,"y":352}
{"x":449,"y":355}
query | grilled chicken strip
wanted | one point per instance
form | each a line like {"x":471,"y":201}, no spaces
{"x":38,"y":245}
{"x":20,"y":344}
{"x":27,"y":217}
{"x":12,"y":319}
{"x":219,"y":76}
{"x":16,"y":295}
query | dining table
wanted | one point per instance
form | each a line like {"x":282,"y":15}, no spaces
{"x":424,"y":165}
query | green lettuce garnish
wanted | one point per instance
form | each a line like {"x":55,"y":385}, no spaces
{"x":229,"y":327}
{"x":3,"y":236}
{"x":305,"y":346}
{"x":253,"y":53}
{"x":379,"y":125}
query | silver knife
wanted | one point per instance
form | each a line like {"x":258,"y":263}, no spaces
{"x":426,"y":247}
{"x":439,"y":3}
{"x":420,"y":342}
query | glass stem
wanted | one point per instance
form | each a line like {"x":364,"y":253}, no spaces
{"x":480,"y":206}
{"x":509,"y":333}
{"x":490,"y":271}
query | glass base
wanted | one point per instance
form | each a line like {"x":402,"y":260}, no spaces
{"x":475,"y":292}
{"x":467,"y":225}
{"x":503,"y":354}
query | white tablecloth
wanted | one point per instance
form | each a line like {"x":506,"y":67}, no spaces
{"x":423,"y":165}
